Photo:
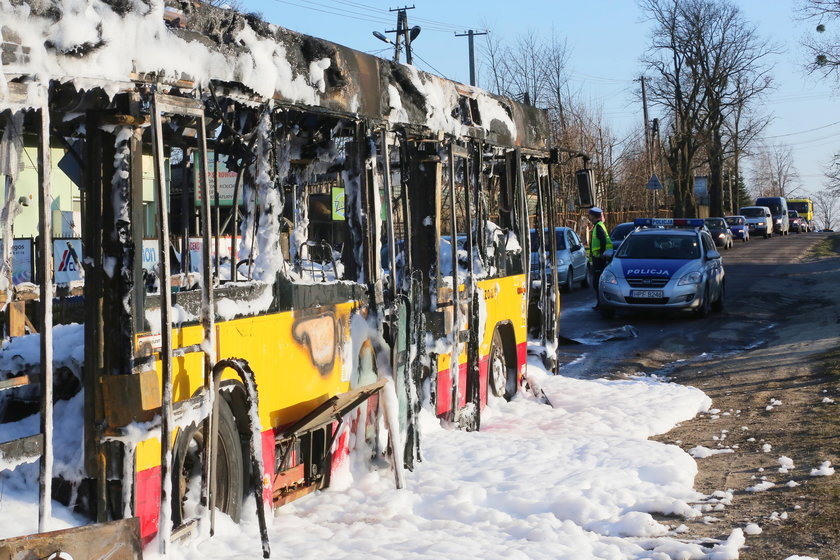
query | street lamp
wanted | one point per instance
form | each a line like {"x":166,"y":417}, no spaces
{"x":382,"y":37}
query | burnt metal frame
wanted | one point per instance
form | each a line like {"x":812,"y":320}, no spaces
{"x":192,"y":108}
{"x":40,"y":445}
{"x":46,"y":323}
{"x":455,"y":328}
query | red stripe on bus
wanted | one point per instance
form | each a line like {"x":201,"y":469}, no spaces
{"x":147,"y":502}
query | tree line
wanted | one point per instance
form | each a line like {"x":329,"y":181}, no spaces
{"x":705,"y":73}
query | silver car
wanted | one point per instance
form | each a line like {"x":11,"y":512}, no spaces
{"x":667,"y":269}
{"x":570,"y":259}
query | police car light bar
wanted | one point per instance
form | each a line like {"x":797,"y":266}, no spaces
{"x":668,"y":222}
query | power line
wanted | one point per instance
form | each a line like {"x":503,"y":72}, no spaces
{"x":444,"y":25}
{"x":802,"y":131}
{"x":377,"y":16}
{"x":438,"y":72}
{"x":590,"y":78}
{"x":372,"y":19}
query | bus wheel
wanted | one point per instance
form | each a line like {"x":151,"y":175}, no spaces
{"x":501,"y":378}
{"x":188,"y":457}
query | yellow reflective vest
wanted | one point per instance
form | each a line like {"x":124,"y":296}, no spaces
{"x":595,"y":249}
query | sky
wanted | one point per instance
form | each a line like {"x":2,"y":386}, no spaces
{"x":606,"y":38}
{"x":574,"y":479}
{"x":569,"y":475}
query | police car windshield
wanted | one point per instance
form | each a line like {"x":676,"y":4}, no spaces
{"x":660,"y":246}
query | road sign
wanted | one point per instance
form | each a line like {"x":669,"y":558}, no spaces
{"x":654,"y":183}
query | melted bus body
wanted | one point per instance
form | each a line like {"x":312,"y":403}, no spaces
{"x":262,"y":266}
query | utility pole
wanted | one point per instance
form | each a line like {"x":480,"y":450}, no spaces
{"x":471,"y":35}
{"x":652,"y":144}
{"x":647,"y":128}
{"x":647,"y":137}
{"x":403,"y":34}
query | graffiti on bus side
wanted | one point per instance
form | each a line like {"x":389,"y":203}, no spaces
{"x":319,"y":333}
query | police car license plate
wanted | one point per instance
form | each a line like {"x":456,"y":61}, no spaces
{"x":647,"y":293}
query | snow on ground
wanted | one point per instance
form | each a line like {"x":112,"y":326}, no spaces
{"x":701,"y":452}
{"x":825,"y":469}
{"x":576,"y":480}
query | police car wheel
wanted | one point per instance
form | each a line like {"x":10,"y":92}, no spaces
{"x":718,"y":304}
{"x":705,"y":305}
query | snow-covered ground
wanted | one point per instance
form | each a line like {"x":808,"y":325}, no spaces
{"x":578,"y":479}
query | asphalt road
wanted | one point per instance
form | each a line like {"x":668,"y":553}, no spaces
{"x":594,"y":347}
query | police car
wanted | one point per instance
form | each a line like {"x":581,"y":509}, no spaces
{"x":676,"y":268}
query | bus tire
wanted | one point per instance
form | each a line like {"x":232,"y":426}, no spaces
{"x":187,"y":459}
{"x":500,"y":377}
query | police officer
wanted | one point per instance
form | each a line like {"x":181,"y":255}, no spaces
{"x":599,"y":243}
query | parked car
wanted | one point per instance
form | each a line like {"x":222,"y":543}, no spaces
{"x":664,"y":269}
{"x":739,"y":228}
{"x":619,"y":232}
{"x":570,"y":261}
{"x":759,"y":219}
{"x":719,"y":230}
{"x":795,"y":222}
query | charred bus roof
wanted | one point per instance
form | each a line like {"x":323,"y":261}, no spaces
{"x":120,"y":46}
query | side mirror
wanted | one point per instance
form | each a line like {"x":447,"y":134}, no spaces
{"x":712,"y":255}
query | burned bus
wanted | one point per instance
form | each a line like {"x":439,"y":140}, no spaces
{"x":253,"y":254}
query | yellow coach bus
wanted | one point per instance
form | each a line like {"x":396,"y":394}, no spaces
{"x":805,"y":208}
{"x":287,"y":248}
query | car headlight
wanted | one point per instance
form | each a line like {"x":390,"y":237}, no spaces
{"x":778,"y":221}
{"x":721,"y":236}
{"x":691,"y":278}
{"x":608,"y":278}
{"x":761,"y":223}
{"x":561,"y":262}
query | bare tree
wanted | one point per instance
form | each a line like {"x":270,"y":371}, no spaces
{"x":730,"y":58}
{"x":708,"y":66}
{"x":743,"y":127}
{"x":824,"y":58}
{"x":678,"y":88}
{"x":825,"y":207}
{"x":528,"y":75}
{"x":833,"y":174}
{"x":494,"y":55}
{"x":555,"y":67}
{"x":824,"y":47}
{"x":541,"y":70}
{"x":774,"y":173}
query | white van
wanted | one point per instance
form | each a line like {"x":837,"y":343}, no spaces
{"x":759,"y":220}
